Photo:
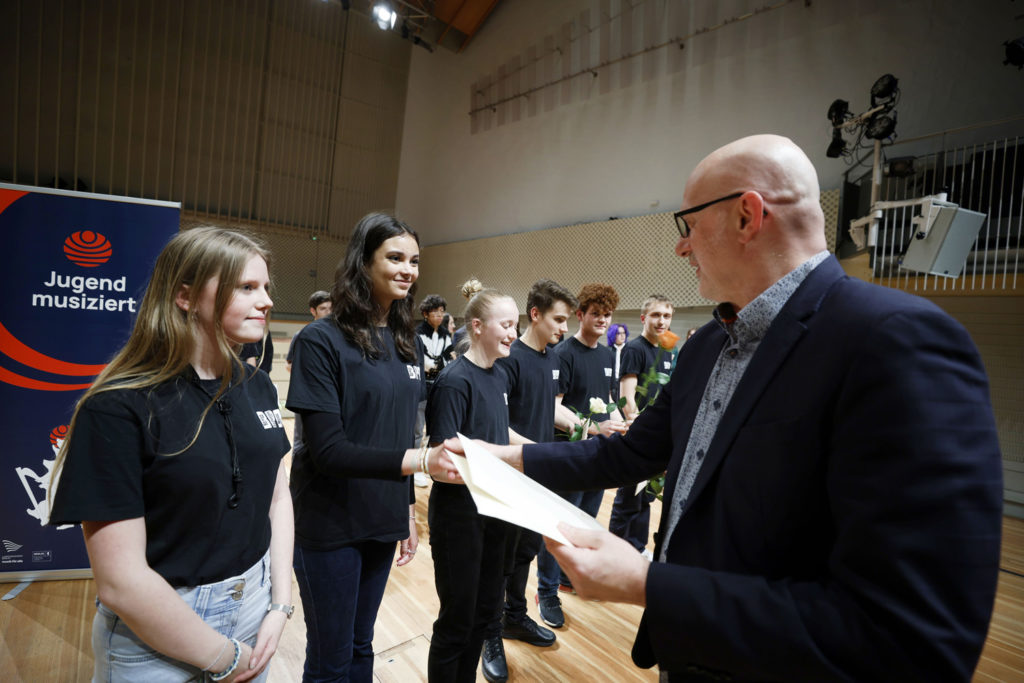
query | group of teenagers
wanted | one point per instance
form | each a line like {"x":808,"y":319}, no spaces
{"x":173,"y":464}
{"x":833,"y":481}
{"x":545,"y":382}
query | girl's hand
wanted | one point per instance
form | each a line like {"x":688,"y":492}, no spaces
{"x":409,"y":545}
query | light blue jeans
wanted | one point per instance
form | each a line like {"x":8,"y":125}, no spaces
{"x":234,"y":607}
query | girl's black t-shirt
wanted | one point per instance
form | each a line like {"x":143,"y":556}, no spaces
{"x":123,"y":462}
{"x":356,"y":491}
{"x":471,"y":400}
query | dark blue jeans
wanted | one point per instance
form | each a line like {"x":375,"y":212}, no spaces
{"x":469,"y":574}
{"x":631,"y":515}
{"x":549,"y":574}
{"x":341,"y":592}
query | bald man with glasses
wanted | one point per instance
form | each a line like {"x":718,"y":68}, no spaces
{"x":833,"y":499}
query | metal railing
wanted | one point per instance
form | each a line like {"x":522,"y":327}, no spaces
{"x":984,"y":175}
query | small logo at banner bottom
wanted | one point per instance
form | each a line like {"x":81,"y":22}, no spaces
{"x":11,"y":546}
{"x":37,"y":486}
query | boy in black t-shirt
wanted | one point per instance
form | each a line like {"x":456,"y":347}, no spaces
{"x":532,"y":373}
{"x":631,"y":512}
{"x":585,"y":372}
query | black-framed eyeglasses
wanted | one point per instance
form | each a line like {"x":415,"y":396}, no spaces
{"x":684,"y":227}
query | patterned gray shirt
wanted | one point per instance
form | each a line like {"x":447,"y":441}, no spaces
{"x":745,"y":330}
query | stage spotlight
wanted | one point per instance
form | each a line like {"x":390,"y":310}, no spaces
{"x":1015,"y":52}
{"x":880,"y":126}
{"x":837,"y":112}
{"x":837,"y":146}
{"x":384,"y":16}
{"x":884,"y":88}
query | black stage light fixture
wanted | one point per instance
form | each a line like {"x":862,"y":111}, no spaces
{"x":837,"y":112}
{"x":416,"y":40}
{"x":837,"y":146}
{"x":880,"y":126}
{"x":884,"y":88}
{"x":1015,"y":52}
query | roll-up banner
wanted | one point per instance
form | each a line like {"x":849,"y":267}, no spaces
{"x":77,"y":265}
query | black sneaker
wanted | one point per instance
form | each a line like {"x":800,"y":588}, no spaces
{"x":493,"y":664}
{"x":526,"y":630}
{"x":550,"y":608}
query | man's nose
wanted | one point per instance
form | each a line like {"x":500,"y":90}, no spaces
{"x":683,"y":247}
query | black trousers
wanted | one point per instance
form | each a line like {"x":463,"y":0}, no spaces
{"x":469,"y":559}
{"x":631,"y":515}
{"x":515,"y":583}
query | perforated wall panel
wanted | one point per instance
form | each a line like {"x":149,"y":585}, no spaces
{"x":634,"y":255}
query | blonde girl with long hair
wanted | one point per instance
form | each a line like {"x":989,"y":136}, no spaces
{"x":173,"y":468}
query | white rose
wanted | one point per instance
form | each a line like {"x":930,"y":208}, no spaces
{"x":598,"y":406}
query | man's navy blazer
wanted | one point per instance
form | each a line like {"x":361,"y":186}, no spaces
{"x":846,"y":522}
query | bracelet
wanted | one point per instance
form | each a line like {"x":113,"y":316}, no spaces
{"x":227,"y":641}
{"x":412,"y":516}
{"x":424,"y":452}
{"x":234,"y":663}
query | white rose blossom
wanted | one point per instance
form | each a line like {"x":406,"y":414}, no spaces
{"x":598,"y":406}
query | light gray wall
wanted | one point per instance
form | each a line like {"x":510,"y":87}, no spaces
{"x":622,"y":143}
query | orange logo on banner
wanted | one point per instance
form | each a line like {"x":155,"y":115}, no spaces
{"x":87,"y":248}
{"x":58,"y":434}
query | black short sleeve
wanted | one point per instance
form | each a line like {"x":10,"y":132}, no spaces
{"x":159,"y":454}
{"x":584,"y":373}
{"x":107,"y":431}
{"x":471,"y":400}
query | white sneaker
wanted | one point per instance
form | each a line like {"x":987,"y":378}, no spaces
{"x":421,"y":480}
{"x":647,"y":554}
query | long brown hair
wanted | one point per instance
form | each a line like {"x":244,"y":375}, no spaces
{"x":353,"y":307}
{"x":163,"y":338}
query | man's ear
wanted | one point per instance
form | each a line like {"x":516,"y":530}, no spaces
{"x":579,"y":314}
{"x":181,"y":298}
{"x":751,"y":208}
{"x":534,"y":314}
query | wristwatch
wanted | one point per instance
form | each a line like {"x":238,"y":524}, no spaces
{"x":287,"y":609}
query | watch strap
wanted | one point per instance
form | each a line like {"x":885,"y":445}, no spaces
{"x":277,"y":607}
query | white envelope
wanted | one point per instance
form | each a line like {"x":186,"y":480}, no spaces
{"x":506,"y":493}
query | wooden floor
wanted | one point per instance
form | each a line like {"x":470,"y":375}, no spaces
{"x":45,"y":630}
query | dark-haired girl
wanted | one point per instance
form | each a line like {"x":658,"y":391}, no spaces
{"x":357,"y":377}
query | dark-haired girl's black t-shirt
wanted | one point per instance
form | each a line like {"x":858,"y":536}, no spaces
{"x":354,"y":492}
{"x":131,"y":455}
